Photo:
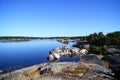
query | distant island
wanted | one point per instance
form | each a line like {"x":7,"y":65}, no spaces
{"x":112,"y":38}
{"x":25,"y":37}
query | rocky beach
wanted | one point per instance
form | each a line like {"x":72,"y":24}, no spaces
{"x":89,"y":67}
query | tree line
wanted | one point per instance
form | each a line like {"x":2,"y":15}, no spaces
{"x":99,"y":42}
{"x":100,"y":39}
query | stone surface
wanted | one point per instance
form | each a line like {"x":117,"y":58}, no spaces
{"x":92,"y":59}
{"x":63,"y":71}
{"x":114,"y":63}
{"x":56,"y":53}
{"x":113,"y":49}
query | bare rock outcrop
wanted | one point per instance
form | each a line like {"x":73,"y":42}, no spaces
{"x":56,"y":53}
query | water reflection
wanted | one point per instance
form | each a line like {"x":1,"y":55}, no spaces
{"x":23,"y":54}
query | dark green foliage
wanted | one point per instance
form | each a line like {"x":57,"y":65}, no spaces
{"x":99,"y":41}
{"x":114,"y":38}
{"x":98,"y":50}
{"x":96,"y":39}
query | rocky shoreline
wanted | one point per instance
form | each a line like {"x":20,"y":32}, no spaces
{"x":89,"y":67}
{"x":67,"y":51}
{"x":63,"y":71}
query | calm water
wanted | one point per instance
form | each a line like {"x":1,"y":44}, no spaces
{"x":14,"y":55}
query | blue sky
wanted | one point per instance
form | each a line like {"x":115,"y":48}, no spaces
{"x":46,"y":18}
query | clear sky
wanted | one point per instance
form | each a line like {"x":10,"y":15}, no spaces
{"x":46,"y":18}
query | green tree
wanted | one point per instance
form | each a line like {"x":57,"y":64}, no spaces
{"x":114,"y":38}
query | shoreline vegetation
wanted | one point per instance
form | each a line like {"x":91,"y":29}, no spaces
{"x":98,"y":39}
{"x":101,"y":48}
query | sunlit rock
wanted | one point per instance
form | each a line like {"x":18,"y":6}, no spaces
{"x":56,"y":53}
{"x":83,"y":51}
{"x":0,"y":71}
{"x":53,"y":57}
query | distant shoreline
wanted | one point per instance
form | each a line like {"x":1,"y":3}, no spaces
{"x":26,"y":37}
